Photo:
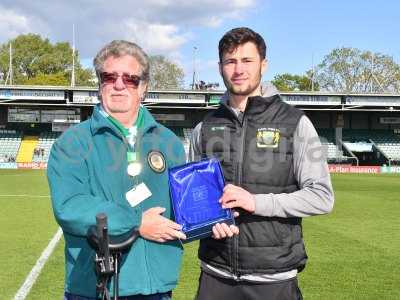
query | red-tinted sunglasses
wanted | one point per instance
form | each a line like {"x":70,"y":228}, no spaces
{"x":127,"y":79}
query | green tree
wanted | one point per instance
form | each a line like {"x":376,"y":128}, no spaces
{"x":48,"y":79}
{"x":36,"y":60}
{"x":288,"y":82}
{"x":351,"y":70}
{"x":164,"y":74}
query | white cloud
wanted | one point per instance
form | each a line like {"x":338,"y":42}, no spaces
{"x":242,"y":3}
{"x":155,"y":38}
{"x":12,"y":24}
{"x":159,"y":26}
{"x":208,"y":13}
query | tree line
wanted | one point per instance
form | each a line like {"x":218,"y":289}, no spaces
{"x":347,"y":70}
{"x":36,"y":61}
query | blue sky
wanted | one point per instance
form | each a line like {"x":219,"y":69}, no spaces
{"x":296,"y":32}
{"x":300,"y":32}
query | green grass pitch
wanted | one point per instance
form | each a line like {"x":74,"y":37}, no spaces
{"x":353,"y":252}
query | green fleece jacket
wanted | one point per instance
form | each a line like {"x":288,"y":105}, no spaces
{"x":87,"y":174}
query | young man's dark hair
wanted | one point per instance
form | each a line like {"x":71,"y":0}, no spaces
{"x":239,"y":36}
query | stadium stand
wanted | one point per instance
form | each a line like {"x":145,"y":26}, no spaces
{"x":27,"y":110}
{"x":333,"y":152}
{"x":184,"y":134}
{"x":25,"y":152}
{"x":385,"y":140}
{"x":42,"y":150}
{"x":187,"y":135}
{"x":391,"y":148}
{"x":9,"y":145}
{"x":342,"y":146}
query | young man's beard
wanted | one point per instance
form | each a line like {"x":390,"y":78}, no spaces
{"x":249,"y":89}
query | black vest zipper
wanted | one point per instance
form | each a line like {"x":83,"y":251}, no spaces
{"x":239,"y":183}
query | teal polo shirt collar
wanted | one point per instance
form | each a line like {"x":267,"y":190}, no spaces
{"x":99,"y":122}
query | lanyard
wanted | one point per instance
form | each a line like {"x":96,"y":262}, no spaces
{"x":130,"y":134}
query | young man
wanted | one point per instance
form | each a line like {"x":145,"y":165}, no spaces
{"x":116,"y":163}
{"x":272,"y":161}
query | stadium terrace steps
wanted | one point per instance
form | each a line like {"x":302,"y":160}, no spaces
{"x":187,"y":135}
{"x":184,"y":134}
{"x":9,"y":145}
{"x":46,"y":141}
{"x":334,"y":153}
{"x":385,"y":140}
{"x":28,"y":144}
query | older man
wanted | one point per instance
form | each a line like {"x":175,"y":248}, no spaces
{"x":116,"y":162}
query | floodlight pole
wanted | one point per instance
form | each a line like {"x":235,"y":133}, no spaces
{"x":194,"y":68}
{"x":374,"y":77}
{"x":312,"y":75}
{"x":73,"y":57}
{"x":10,"y":69}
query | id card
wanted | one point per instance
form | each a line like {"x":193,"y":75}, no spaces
{"x":138,"y":194}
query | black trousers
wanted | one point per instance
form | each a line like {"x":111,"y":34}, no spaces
{"x":217,"y":288}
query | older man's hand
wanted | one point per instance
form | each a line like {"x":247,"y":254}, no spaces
{"x":157,"y":228}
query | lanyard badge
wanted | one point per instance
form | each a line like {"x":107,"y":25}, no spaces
{"x":139,"y":192}
{"x":134,"y":166}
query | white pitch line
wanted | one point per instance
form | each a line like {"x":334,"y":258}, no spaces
{"x":33,"y":275}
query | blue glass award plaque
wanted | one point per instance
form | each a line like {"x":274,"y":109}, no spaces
{"x":195,"y":190}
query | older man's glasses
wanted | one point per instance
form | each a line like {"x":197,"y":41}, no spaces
{"x":127,"y":79}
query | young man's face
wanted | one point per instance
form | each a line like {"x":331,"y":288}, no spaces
{"x":242,"y":70}
{"x":119,"y":97}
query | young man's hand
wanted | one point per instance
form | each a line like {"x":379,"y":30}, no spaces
{"x":235,"y":196}
{"x":222,"y":230}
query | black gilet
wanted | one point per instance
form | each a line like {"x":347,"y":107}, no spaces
{"x":256,"y":153}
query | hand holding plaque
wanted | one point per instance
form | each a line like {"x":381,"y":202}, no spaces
{"x":195,"y":190}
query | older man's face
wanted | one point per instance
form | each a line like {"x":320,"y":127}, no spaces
{"x":242,"y":69}
{"x":120,"y":98}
